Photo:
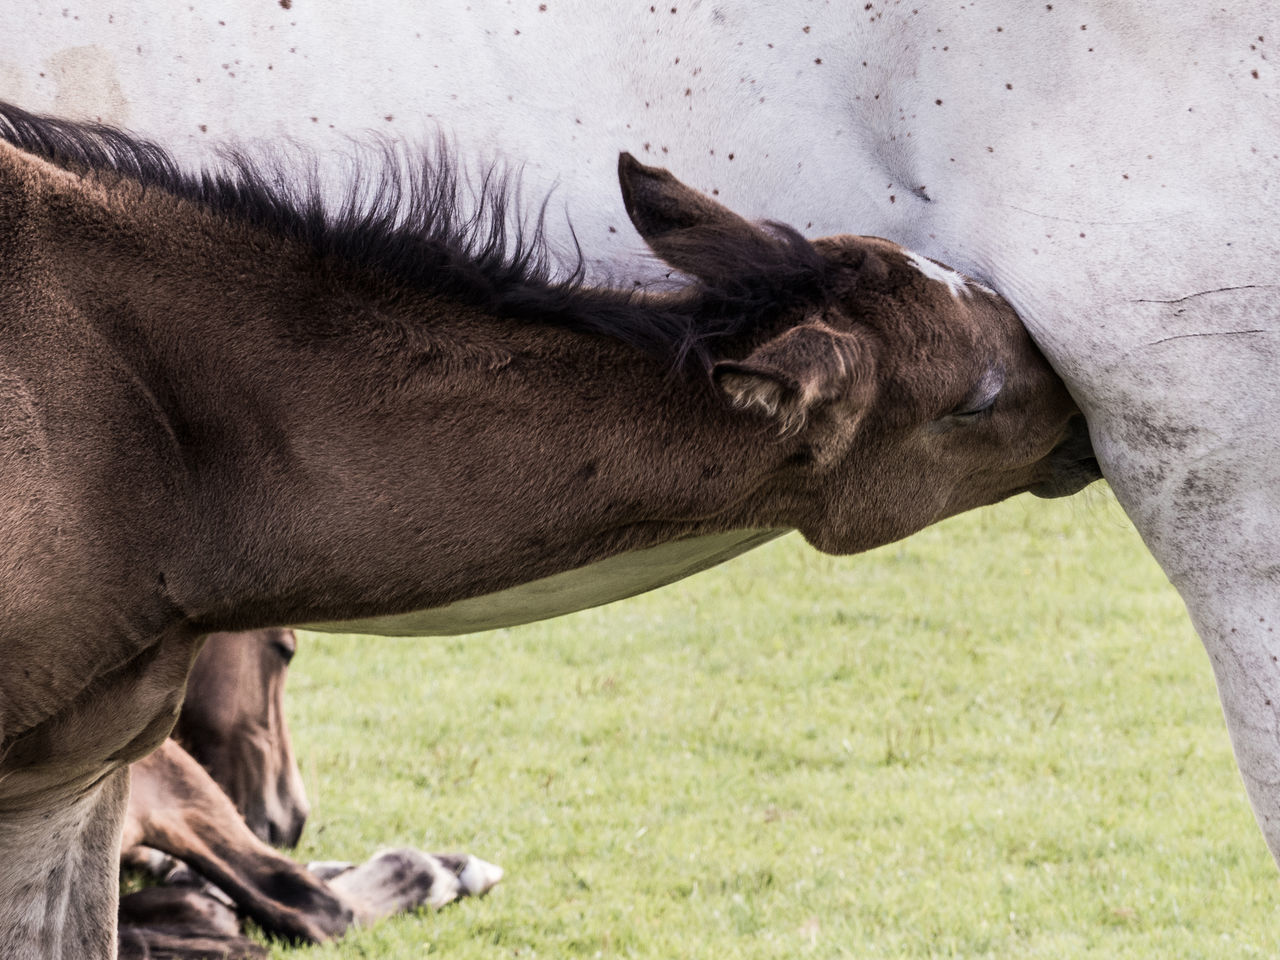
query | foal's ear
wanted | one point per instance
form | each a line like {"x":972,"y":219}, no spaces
{"x":797,"y":371}
{"x":687,"y":229}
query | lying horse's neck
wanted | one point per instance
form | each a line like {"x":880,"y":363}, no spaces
{"x":332,"y":447}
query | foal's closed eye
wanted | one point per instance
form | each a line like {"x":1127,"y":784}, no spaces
{"x":968,"y":412}
{"x":983,"y":396}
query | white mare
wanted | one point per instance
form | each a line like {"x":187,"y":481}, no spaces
{"x":1110,"y":167}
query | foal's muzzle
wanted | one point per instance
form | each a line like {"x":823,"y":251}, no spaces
{"x":1072,"y":462}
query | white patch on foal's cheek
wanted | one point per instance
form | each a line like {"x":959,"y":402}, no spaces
{"x":956,"y":283}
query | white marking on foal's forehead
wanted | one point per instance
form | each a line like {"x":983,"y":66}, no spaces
{"x":956,"y":283}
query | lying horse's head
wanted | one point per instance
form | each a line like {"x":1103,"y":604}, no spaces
{"x":232,"y":721}
{"x":883,"y":359}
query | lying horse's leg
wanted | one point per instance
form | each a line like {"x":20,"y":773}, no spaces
{"x":59,"y":879}
{"x":395,"y":881}
{"x":376,"y":880}
{"x":178,"y":922}
{"x":177,"y":808}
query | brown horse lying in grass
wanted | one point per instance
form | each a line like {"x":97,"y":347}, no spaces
{"x":226,"y":407}
{"x":234,"y":713}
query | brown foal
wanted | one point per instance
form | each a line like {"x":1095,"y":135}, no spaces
{"x":226,"y":408}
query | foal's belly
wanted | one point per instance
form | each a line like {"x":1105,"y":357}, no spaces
{"x":623,"y":575}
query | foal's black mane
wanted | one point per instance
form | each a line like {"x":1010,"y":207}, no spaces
{"x":429,"y":229}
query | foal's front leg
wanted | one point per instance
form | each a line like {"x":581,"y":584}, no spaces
{"x":59,"y":875}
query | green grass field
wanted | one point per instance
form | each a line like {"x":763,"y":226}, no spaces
{"x":997,"y":739}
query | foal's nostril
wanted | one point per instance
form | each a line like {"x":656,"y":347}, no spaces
{"x":286,"y":834}
{"x":294,"y":833}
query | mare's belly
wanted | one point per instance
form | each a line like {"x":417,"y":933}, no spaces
{"x":619,"y":576}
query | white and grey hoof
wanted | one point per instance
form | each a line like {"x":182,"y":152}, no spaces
{"x":478,"y":876}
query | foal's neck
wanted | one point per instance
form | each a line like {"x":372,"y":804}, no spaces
{"x":360,"y":449}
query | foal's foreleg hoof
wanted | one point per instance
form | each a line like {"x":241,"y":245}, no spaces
{"x":477,"y":876}
{"x":395,"y":881}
